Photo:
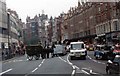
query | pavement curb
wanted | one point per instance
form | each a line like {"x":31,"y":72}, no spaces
{"x":4,"y":61}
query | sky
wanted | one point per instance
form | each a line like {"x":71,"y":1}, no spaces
{"x":31,"y":8}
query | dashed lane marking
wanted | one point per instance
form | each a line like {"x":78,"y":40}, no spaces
{"x":95,"y":60}
{"x":90,"y":70}
{"x":5,"y":71}
{"x":74,"y":70}
{"x":34,"y":70}
{"x":62,"y":59}
{"x":82,"y":71}
{"x":73,"y":73}
{"x":42,"y":61}
{"x":39,"y":65}
{"x":85,"y":72}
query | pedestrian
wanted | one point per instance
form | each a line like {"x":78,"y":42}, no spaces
{"x":41,"y":50}
{"x":47,"y":51}
{"x":52,"y":49}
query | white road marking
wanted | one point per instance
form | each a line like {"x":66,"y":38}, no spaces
{"x":85,"y":72}
{"x":95,"y":60}
{"x":39,"y":65}
{"x":43,"y":61}
{"x":5,"y":71}
{"x":34,"y":70}
{"x":73,"y":73}
{"x":69,"y":61}
{"x":77,"y":67}
{"x":73,"y":67}
{"x":102,"y":63}
{"x":92,"y":72}
{"x":86,"y":68}
{"x":63,"y":59}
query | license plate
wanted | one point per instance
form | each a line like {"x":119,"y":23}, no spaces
{"x":78,"y":55}
{"x":82,"y":53}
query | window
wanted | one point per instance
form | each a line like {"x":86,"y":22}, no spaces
{"x":99,"y":9}
{"x":77,"y":46}
{"x":117,"y":59}
{"x":4,"y":31}
{"x":116,"y":26}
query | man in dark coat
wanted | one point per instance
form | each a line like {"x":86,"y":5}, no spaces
{"x":52,"y":50}
{"x":41,"y":50}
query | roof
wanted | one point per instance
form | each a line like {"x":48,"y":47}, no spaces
{"x":100,"y":45}
{"x":77,"y":42}
{"x":117,"y":56}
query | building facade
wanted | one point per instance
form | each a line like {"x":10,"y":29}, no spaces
{"x":35,"y":29}
{"x":108,"y":25}
{"x":93,"y":22}
{"x":32,"y":30}
{"x":3,"y":26}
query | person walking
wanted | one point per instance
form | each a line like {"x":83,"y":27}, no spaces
{"x":52,"y":50}
{"x":42,"y":51}
{"x":48,"y":51}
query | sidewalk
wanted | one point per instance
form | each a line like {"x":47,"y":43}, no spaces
{"x":11,"y":58}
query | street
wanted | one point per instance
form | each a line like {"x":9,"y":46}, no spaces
{"x":61,"y":66}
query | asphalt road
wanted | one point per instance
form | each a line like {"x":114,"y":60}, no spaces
{"x":57,"y":66}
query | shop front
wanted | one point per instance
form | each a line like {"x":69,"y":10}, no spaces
{"x":113,"y":37}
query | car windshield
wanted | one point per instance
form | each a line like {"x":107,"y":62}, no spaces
{"x":117,"y":59}
{"x":58,"y":47}
{"x":100,"y":48}
{"x":107,"y":48}
{"x":77,"y":46}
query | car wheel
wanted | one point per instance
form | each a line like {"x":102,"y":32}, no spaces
{"x":71,"y":57}
{"x":85,"y":58}
{"x":96,"y":57}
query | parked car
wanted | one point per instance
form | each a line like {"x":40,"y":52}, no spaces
{"x":116,"y":49}
{"x":102,"y":52}
{"x":77,"y":49}
{"x":91,"y":47}
{"x":113,"y":66}
{"x":59,"y":50}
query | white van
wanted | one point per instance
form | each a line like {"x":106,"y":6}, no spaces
{"x":59,"y":49}
{"x":77,"y":49}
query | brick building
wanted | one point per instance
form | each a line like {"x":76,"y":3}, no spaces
{"x":92,"y":22}
{"x":80,"y":22}
{"x":108,"y":26}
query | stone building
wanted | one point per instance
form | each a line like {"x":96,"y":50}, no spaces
{"x":3,"y":26}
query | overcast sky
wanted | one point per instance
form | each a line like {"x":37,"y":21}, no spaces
{"x":30,"y":8}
